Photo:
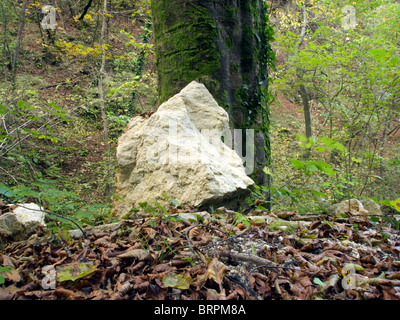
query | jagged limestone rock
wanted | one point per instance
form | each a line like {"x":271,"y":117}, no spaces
{"x":178,"y":152}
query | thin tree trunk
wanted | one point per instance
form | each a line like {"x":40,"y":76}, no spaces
{"x":71,"y":9}
{"x":307,"y":116}
{"x":5,"y":44}
{"x":59,"y":12}
{"x":14,"y":64}
{"x":18,"y":43}
{"x":40,"y":27}
{"x":303,"y":28}
{"x":302,"y":89}
{"x":101,"y":92}
{"x":383,"y":140}
{"x":102,"y":72}
{"x":85,"y":10}
{"x":95,"y":30}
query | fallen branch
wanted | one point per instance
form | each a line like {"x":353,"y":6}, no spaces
{"x":244,"y":257}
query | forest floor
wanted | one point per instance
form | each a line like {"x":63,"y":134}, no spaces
{"x":267,"y":256}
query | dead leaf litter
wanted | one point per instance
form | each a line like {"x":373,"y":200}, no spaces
{"x":266,"y":256}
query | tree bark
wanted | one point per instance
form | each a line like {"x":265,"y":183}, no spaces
{"x":102,"y":106}
{"x":6,"y":49}
{"x":222,"y":45}
{"x":307,"y":116}
{"x":18,"y":42}
{"x":302,"y":89}
{"x":102,"y":73}
{"x":85,"y":9}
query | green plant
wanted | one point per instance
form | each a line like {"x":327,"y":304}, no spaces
{"x":241,"y":218}
{"x":392,"y":220}
{"x":190,"y":260}
{"x":61,"y":201}
{"x":4,"y":269}
{"x":83,"y":152}
{"x":351,"y":77}
{"x":172,"y":200}
{"x":395,"y":204}
{"x":147,"y":208}
{"x":94,"y":214}
{"x":28,"y":140}
{"x":165,"y":250}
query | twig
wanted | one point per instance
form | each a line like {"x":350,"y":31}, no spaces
{"x":64,"y":245}
{"x":194,"y":226}
{"x":245,"y":257}
{"x":240,"y":257}
{"x":245,"y":286}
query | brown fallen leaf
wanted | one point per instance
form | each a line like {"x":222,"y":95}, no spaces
{"x":139,"y":254}
{"x":303,"y":288}
{"x":216,"y":270}
{"x":67,"y":294}
{"x":136,"y":267}
{"x":378,"y":281}
{"x":389,"y":294}
{"x":150,"y":233}
{"x":162,"y":267}
{"x":331,"y":282}
{"x":125,"y":288}
{"x":8,"y":293}
{"x":212,"y":295}
{"x":155,"y":292}
{"x":194,"y":232}
{"x":337,"y":247}
{"x":11,"y":275}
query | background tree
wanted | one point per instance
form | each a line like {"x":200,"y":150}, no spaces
{"x":18,"y":42}
{"x":224,"y":45}
{"x":94,"y":71}
{"x":350,"y":72}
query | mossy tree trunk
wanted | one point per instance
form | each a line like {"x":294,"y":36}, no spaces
{"x":221,"y":44}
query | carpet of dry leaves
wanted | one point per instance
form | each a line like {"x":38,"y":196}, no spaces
{"x":167,"y":258}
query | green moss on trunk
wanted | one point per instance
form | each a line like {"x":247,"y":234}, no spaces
{"x":224,"y":45}
{"x":185,"y":34}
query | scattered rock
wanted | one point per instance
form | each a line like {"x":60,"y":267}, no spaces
{"x":23,"y":220}
{"x":283,"y":225}
{"x":178,"y":151}
{"x":372,"y":207}
{"x":355,"y":207}
{"x":194,"y":216}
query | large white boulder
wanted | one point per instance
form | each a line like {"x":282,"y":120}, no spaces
{"x":178,"y":152}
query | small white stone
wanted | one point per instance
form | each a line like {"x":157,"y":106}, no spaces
{"x":24,"y":219}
